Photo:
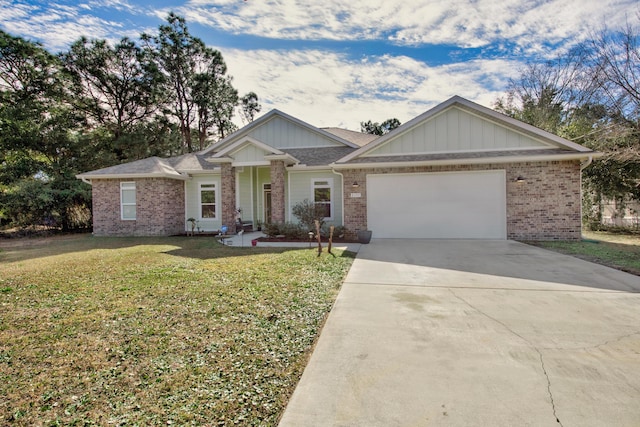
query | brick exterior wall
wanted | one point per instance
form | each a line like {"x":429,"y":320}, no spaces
{"x":159,"y":208}
{"x":228,"y":198}
{"x":277,"y":191}
{"x":546,"y":206}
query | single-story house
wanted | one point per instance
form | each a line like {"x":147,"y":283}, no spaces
{"x":459,"y":170}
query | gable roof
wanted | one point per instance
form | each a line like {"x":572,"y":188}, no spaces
{"x":151,"y":167}
{"x":545,"y":139}
{"x":251,"y":128}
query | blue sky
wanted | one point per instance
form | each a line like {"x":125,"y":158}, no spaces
{"x":337,"y":62}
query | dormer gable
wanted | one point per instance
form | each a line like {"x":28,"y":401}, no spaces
{"x":281,"y":131}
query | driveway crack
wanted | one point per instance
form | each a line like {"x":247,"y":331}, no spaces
{"x":529,"y":343}
{"x":603,"y":344}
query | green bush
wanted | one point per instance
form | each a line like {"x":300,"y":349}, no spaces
{"x":287,"y":229}
{"x":338,"y":231}
{"x":307,"y":213}
{"x":293,"y":231}
{"x":271,"y":229}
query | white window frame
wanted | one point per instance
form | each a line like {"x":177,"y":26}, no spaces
{"x":128,"y":186}
{"x":216,"y":202}
{"x":317,"y":183}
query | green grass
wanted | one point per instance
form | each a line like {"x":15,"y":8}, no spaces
{"x":614,"y":250}
{"x":157,"y":331}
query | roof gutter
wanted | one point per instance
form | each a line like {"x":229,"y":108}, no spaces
{"x":467,"y":161}
{"x":87,"y":178}
{"x":589,"y":160}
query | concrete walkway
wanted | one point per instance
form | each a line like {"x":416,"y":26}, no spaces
{"x":475,"y":333}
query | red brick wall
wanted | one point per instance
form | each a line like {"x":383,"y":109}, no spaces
{"x":544,"y":207}
{"x":228,"y":198}
{"x":159,"y":208}
{"x":277,"y":191}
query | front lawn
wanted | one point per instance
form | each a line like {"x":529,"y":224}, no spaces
{"x":621,"y":251}
{"x":157,"y":331}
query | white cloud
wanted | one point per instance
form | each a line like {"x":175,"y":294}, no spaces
{"x":329,"y":89}
{"x":57,"y":25}
{"x":465,"y":23}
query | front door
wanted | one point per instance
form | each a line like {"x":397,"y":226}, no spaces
{"x":266,"y":197}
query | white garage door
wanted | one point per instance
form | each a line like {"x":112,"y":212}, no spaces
{"x":451,"y":205}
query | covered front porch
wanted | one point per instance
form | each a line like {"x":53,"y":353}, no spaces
{"x":254,"y":194}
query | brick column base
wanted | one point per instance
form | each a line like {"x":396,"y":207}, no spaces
{"x":277,"y":191}
{"x":228,"y":198}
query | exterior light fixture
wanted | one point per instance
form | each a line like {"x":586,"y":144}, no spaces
{"x":520,"y":179}
{"x":355,"y":184}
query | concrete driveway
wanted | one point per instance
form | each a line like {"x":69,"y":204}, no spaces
{"x":474,"y":333}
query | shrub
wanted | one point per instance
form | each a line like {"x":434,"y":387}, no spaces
{"x":338,"y":231}
{"x":293,"y":231}
{"x":307,"y":213}
{"x":271,"y":229}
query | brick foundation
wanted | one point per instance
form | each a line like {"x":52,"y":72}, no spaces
{"x":159,"y":208}
{"x":546,"y":206}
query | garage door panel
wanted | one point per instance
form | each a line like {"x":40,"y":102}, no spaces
{"x":437,"y":205}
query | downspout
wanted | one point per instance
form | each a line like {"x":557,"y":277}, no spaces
{"x":343,"y":195}
{"x":288,"y":195}
{"x":583,"y":166}
{"x":88,"y":181}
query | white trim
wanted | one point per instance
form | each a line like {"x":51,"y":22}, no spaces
{"x":89,"y":176}
{"x":256,"y":163}
{"x":186,"y":208}
{"x":468,"y":161}
{"x":241,"y":143}
{"x":216,"y":200}
{"x":264,"y":201}
{"x":343,"y":195}
{"x":238,"y":191}
{"x":253,"y":212}
{"x":330,"y":186}
{"x":128,"y":184}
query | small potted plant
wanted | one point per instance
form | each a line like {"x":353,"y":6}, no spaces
{"x":259,"y":225}
{"x":364,"y":236}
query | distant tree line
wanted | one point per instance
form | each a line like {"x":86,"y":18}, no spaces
{"x":375,"y":128}
{"x":590,"y":95}
{"x":98,"y":105}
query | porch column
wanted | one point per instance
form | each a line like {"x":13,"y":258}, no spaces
{"x":277,"y":191}
{"x":228,"y":198}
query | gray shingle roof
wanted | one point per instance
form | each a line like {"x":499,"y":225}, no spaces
{"x":319,"y":156}
{"x":357,"y":138}
{"x":155,"y":166}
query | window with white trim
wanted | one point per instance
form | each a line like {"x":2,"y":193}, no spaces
{"x":208,"y":198}
{"x":128,"y":201}
{"x":322,"y":194}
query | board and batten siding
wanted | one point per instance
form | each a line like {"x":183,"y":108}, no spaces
{"x":301,"y":187}
{"x":456,"y":130}
{"x":282,"y":133}
{"x":192,"y":205}
{"x":244,"y":194}
{"x":249,"y":153}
